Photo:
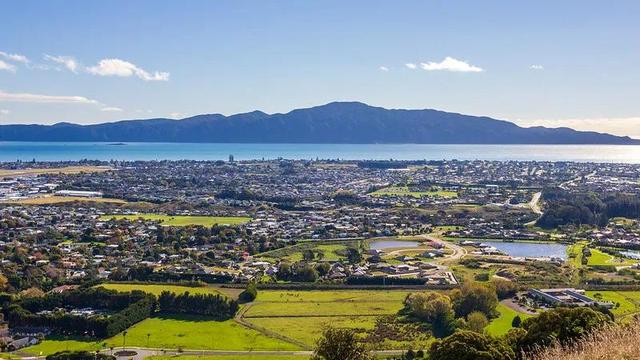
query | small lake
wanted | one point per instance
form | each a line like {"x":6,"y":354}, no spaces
{"x":631,"y":254}
{"x":392,"y":244}
{"x":529,"y":249}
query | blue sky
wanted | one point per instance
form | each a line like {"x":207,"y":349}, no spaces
{"x":544,"y":62}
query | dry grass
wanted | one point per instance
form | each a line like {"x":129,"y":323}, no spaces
{"x":61,"y":170}
{"x":48,"y":200}
{"x":616,"y":342}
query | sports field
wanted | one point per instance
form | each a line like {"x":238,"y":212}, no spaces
{"x":180,"y":220}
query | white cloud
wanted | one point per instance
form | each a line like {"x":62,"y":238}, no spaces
{"x":14,"y":57}
{"x":536,"y":67}
{"x":117,"y":67}
{"x":4,"y":112}
{"x":411,"y":66}
{"x":450,"y":64}
{"x":69,"y":62}
{"x":45,"y":99}
{"x":383,"y":68}
{"x":7,"y":67}
{"x":111,"y":109}
{"x":627,"y":126}
{"x":175,"y":115}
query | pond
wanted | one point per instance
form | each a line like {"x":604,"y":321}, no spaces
{"x":392,"y":244}
{"x":530,"y":249}
{"x":631,"y":254}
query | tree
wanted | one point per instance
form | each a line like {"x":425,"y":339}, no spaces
{"x":433,"y":308}
{"x":563,"y":325}
{"x":477,"y":321}
{"x":340,"y":344}
{"x":516,"y":322}
{"x":249,"y":294}
{"x":504,"y":288}
{"x":354,"y":256}
{"x":474,"y":297}
{"x":469,"y":345}
{"x":3,"y":282}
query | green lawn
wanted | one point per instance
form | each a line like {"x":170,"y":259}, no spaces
{"x":601,"y":258}
{"x":502,"y":324}
{"x":173,"y":332}
{"x":168,"y":220}
{"x":627,"y":302}
{"x":404,"y":191}
{"x":156,"y":289}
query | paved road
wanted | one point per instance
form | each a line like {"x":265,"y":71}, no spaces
{"x":143,"y":353}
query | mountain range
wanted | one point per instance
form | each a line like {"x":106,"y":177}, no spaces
{"x":337,"y":122}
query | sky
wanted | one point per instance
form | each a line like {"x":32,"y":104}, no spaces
{"x":552,"y":63}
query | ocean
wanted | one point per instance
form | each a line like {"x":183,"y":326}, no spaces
{"x":61,"y":151}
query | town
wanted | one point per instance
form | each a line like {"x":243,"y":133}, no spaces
{"x":302,"y":231}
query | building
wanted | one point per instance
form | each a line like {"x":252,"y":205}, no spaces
{"x":78,"y":193}
{"x":566,"y":297}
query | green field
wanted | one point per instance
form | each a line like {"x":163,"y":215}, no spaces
{"x":169,"y":220}
{"x":502,"y":324}
{"x":598,"y":258}
{"x":307,"y":329}
{"x":627,"y":302}
{"x":302,"y":315}
{"x":173,"y":332}
{"x":156,"y":289}
{"x":325,"y":251}
{"x":404,"y":191}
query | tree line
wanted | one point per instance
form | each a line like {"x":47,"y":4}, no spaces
{"x":214,"y":305}
{"x":586,"y":208}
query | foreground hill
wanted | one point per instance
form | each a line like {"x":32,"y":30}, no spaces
{"x":611,"y":343}
{"x":340,"y":122}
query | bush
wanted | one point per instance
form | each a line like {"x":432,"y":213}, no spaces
{"x":79,"y":355}
{"x":249,"y":294}
{"x":469,"y":345}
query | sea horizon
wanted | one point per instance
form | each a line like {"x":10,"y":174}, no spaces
{"x":130,"y":151}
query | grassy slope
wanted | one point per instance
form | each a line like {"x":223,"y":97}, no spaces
{"x":502,"y":324}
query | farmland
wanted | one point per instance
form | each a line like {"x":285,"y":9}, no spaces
{"x":176,"y":332}
{"x":177,"y":220}
{"x":156,"y":289}
{"x":301,"y":315}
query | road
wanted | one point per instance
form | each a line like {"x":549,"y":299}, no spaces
{"x":534,"y":204}
{"x":143,"y":353}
